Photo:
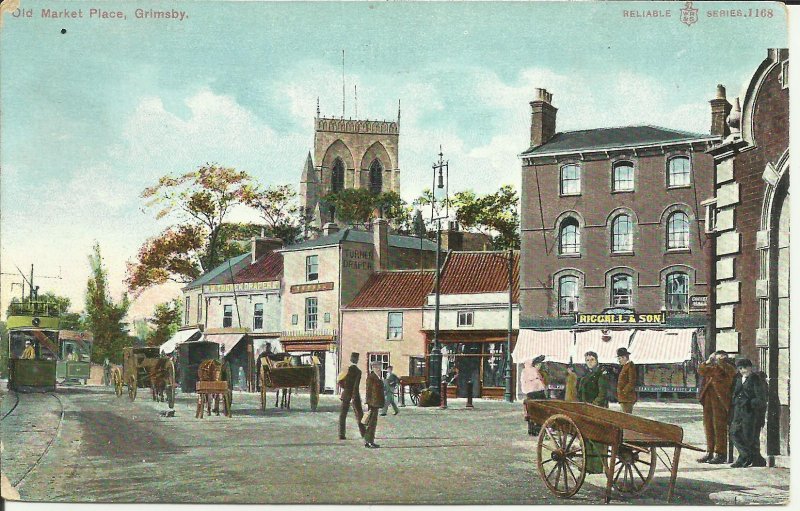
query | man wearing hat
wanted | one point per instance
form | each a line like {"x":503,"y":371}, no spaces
{"x":715,"y":396}
{"x":29,"y":353}
{"x":626,"y":382}
{"x":533,"y":382}
{"x":747,"y":419}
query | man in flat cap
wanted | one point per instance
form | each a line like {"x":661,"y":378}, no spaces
{"x":715,"y":396}
{"x":626,"y":382}
{"x":749,"y":404}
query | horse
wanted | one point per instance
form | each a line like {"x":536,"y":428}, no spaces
{"x":210,"y":370}
{"x":159,"y":375}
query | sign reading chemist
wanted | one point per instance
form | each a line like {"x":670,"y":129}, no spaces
{"x":620,"y":317}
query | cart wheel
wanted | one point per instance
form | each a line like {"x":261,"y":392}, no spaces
{"x":171,"y":384}
{"x":116,"y":376}
{"x":634,"y":468}
{"x":562,"y":456}
{"x":413,"y":394}
{"x":314,"y":390}
{"x":132,"y":387}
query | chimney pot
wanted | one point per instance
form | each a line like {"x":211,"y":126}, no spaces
{"x":260,"y":246}
{"x":720,"y":91}
{"x":543,"y":118}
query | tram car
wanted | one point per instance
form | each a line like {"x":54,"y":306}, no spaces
{"x":74,"y":356}
{"x":32,"y":346}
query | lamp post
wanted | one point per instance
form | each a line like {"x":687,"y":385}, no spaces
{"x":441,"y":181}
{"x":508,"y":394}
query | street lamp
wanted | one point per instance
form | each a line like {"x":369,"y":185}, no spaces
{"x":508,"y":394}
{"x":439,"y":195}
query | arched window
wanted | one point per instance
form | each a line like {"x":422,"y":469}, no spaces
{"x":677,"y":292}
{"x":337,"y":176}
{"x":570,"y":179}
{"x":376,"y":177}
{"x":623,"y":176}
{"x":567,"y":295}
{"x":569,"y":237}
{"x":621,"y":290}
{"x":622,"y":234}
{"x":678,"y":230}
{"x":678,"y":170}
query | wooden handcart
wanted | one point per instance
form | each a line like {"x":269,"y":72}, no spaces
{"x":280,"y":375}
{"x":631,"y":446}
{"x":137,"y":366}
{"x":415,"y":385}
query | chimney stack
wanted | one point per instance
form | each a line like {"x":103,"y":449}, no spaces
{"x":380,"y":238}
{"x":329,"y":228}
{"x":260,"y":246}
{"x":543,"y":118}
{"x":720,"y":108}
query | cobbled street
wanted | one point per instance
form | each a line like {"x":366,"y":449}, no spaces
{"x":84,"y":444}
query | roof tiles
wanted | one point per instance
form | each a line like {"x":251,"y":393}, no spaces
{"x":394,"y":289}
{"x":267,"y":268}
{"x":479,"y":272}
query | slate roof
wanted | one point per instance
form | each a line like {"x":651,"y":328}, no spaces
{"x":612,"y":138}
{"x":394,"y":290}
{"x":266,"y":268}
{"x":219,"y":274}
{"x":479,"y":272}
{"x":350,"y":234}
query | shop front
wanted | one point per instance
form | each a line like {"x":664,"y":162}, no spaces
{"x":323,"y":345}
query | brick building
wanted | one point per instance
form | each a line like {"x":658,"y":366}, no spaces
{"x":750,"y":210}
{"x":611,"y":222}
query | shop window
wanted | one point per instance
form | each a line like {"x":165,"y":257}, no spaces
{"x":494,"y":365}
{"x":417,"y":367}
{"x":571,"y":179}
{"x":567,"y":295}
{"x":621,"y":290}
{"x":395,"y":329}
{"x":677,"y":292}
{"x":623,"y":177}
{"x":622,"y":234}
{"x":383,"y":358}
{"x":312,"y":268}
{"x":258,"y":316}
{"x":678,"y":170}
{"x":227,"y":316}
{"x":187,"y":308}
{"x":311,"y":313}
{"x":569,"y":237}
{"x":678,"y":231}
{"x":465,"y":318}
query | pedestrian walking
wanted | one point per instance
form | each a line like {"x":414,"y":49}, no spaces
{"x":571,"y":384}
{"x":390,"y":383}
{"x":747,"y":418}
{"x":106,"y":372}
{"x":349,"y":381}
{"x":715,"y":396}
{"x":593,"y":389}
{"x":626,"y":382}
{"x":534,"y":383}
{"x":375,"y":401}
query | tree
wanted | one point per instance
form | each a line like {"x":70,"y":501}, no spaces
{"x":280,"y":209}
{"x":419,"y":229}
{"x":199,"y":201}
{"x":104,"y":317}
{"x":166,"y":319}
{"x":67,"y":320}
{"x":495,"y":214}
{"x":355,"y":206}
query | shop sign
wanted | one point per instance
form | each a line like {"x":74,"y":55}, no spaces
{"x":620,"y":318}
{"x":698,"y":303}
{"x":311,"y":288}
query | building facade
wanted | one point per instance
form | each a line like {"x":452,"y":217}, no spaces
{"x":750,"y":213}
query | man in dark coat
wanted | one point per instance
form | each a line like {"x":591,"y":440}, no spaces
{"x":747,"y":418}
{"x":715,"y":396}
{"x":593,"y":388}
{"x":390,"y":384}
{"x":626,"y":381}
{"x":375,"y":401}
{"x":350,"y":381}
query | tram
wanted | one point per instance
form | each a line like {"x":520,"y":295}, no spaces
{"x":74,"y":356}
{"x":32,"y":346}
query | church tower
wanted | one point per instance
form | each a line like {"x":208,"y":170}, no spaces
{"x":350,"y":153}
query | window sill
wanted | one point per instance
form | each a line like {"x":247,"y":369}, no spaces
{"x":679,"y":251}
{"x":568,"y":256}
{"x":570,"y":194}
{"x":678,"y":187}
{"x":623,"y":254}
{"x":393,"y":339}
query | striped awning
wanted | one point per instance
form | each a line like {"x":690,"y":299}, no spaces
{"x":180,"y":336}
{"x":666,"y":346}
{"x":555,"y":345}
{"x":603,"y":342}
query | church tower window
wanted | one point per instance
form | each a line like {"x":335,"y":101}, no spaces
{"x":376,"y":177}
{"x":337,"y":176}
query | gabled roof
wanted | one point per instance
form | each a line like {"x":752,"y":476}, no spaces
{"x":266,"y":268}
{"x":358,"y":236}
{"x":218,"y":274}
{"x":612,"y":138}
{"x":394,"y":290}
{"x":479,"y":272}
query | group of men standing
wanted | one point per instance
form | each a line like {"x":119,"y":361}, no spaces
{"x":380,"y":394}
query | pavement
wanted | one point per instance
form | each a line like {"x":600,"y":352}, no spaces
{"x":84,"y":444}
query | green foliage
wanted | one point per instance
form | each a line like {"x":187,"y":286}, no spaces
{"x":359,"y":206}
{"x":419,"y":229}
{"x":172,"y":255}
{"x":104,"y":318}
{"x":279,"y":207}
{"x":166,"y":320}
{"x":495,"y":214}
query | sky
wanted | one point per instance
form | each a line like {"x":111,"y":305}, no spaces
{"x":90,"y":117}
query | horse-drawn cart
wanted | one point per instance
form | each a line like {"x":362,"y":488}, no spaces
{"x":144,"y":367}
{"x":629,"y":446}
{"x":282,"y":375}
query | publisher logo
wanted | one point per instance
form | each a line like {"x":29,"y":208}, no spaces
{"x":689,"y":14}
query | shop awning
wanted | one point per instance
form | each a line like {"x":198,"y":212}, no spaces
{"x":666,"y":346}
{"x":603,"y":342}
{"x":228,"y":341}
{"x":555,"y":345}
{"x":180,"y":336}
